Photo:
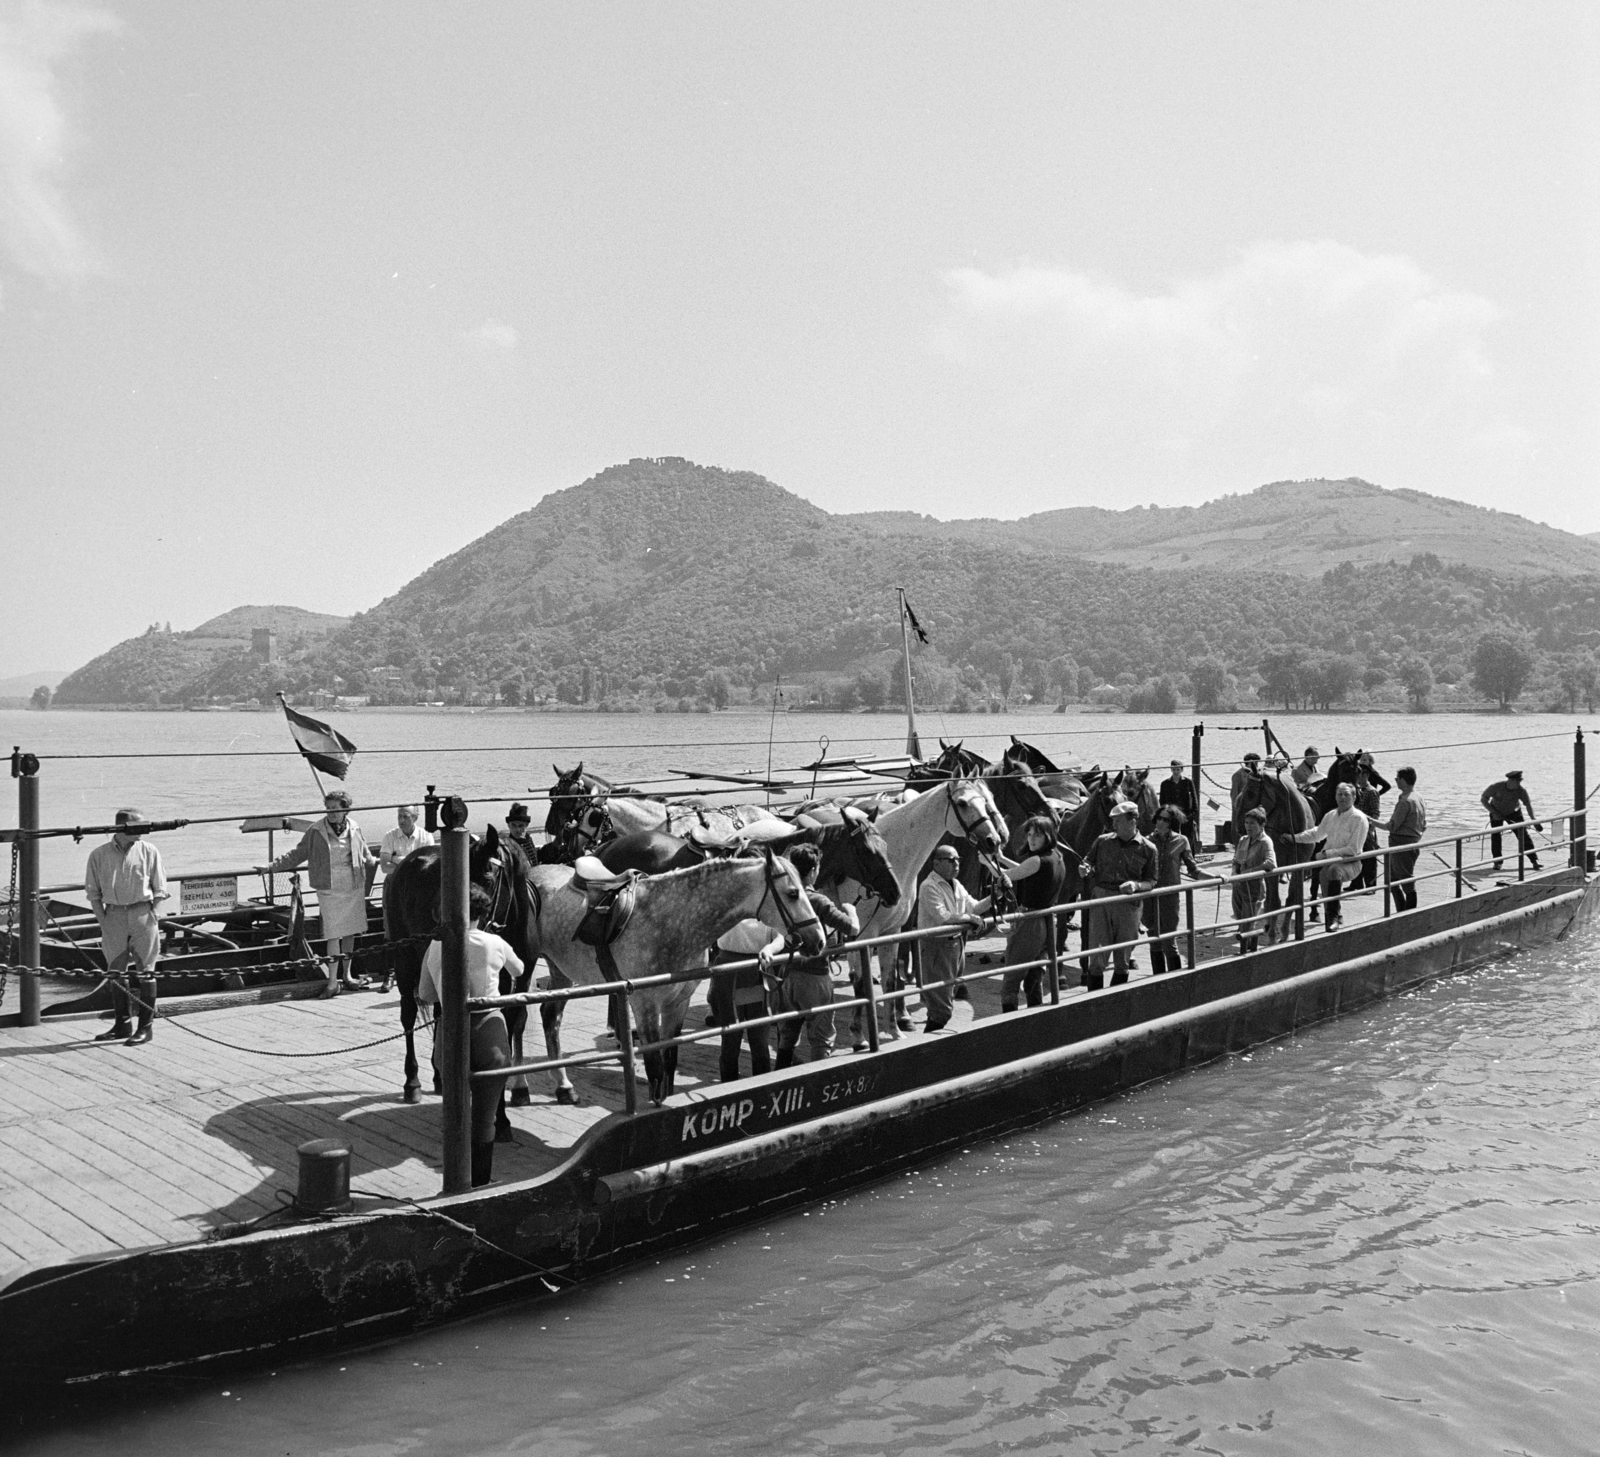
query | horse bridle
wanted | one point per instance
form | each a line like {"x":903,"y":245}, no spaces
{"x":955,"y":806}
{"x":791,"y":922}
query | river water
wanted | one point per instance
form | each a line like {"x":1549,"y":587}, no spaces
{"x":1379,"y":1236}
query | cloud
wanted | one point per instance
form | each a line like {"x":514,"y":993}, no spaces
{"x":493,"y":337}
{"x":37,"y":229}
{"x":1298,"y":359}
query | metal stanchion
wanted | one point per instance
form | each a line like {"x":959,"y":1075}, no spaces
{"x":1458,"y":867}
{"x":455,"y":1023}
{"x":1052,"y":945}
{"x":630,"y":1093}
{"x":25,"y":768}
{"x":1188,"y":921}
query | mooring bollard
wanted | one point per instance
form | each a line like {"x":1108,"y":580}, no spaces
{"x":455,"y":1024}
{"x":324,"y":1184}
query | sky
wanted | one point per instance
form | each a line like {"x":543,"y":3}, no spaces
{"x":295,"y":300}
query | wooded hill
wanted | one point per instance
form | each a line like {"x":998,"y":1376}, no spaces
{"x":661,"y":582}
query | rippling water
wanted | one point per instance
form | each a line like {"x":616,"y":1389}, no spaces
{"x":1380,"y":1236}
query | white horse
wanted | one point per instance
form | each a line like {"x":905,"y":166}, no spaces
{"x":676,"y":917}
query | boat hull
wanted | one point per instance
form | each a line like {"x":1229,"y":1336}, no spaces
{"x":724,"y":1157}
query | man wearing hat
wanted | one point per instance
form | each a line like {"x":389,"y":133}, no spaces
{"x":1505,"y":800}
{"x":1122,"y":862}
{"x":945,"y":901}
{"x":517,"y":821}
{"x":125,"y":883}
{"x":1241,"y":777}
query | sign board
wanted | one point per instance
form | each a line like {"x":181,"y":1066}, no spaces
{"x":208,"y":894}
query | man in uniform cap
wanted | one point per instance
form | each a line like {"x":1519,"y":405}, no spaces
{"x":1305,"y":772}
{"x":1241,"y":777}
{"x":1122,"y":862}
{"x":125,"y":883}
{"x":1505,"y":800}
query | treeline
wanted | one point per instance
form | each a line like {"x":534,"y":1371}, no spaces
{"x":661,"y":584}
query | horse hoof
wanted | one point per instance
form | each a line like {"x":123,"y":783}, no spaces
{"x":520,"y":1097}
{"x":412,"y":1095}
{"x":568,"y":1096}
{"x":504,"y":1135}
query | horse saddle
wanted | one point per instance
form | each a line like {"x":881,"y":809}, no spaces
{"x":610,"y":900}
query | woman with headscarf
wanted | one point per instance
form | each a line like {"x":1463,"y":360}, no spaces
{"x":340,"y":867}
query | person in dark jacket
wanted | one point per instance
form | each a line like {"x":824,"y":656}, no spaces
{"x":1369,"y":787}
{"x":1505,"y":800}
{"x":1181,"y":793}
{"x":1408,"y":823}
{"x":808,"y":983}
{"x":1037,"y":879}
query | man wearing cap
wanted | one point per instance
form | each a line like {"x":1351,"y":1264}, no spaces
{"x":1241,"y":777}
{"x":1120,"y":863}
{"x":1176,"y":792}
{"x":402,"y":840}
{"x":1305,"y":772}
{"x":517,"y":821}
{"x":944,"y":901}
{"x":1505,"y":800}
{"x":125,"y":883}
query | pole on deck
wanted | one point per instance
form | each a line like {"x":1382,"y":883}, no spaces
{"x":864,"y":970}
{"x":1195,"y":735}
{"x":1388,"y":891}
{"x":630,"y":1093}
{"x":1266,"y":734}
{"x":1458,"y":867}
{"x":26,"y":768}
{"x":455,"y":1024}
{"x":1188,"y":921}
{"x":1580,"y":799}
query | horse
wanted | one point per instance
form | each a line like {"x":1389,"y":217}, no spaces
{"x":411,"y":917}
{"x":1057,"y":782}
{"x":590,"y":804}
{"x":1289,"y":813}
{"x":676,"y":916}
{"x":851,"y":849}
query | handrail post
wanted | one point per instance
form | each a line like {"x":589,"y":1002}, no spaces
{"x":1458,"y":867}
{"x":455,"y":1022}
{"x":1298,"y":882}
{"x":630,"y":1093}
{"x":1051,"y":950}
{"x":27,"y":769}
{"x":1580,"y":800}
{"x":1522,"y":870}
{"x":1388,"y":890}
{"x":1188,"y":922}
{"x":864,"y":961}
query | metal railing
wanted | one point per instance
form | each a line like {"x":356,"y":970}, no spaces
{"x":870,"y":997}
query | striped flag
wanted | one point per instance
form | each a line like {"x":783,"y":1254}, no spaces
{"x":324,"y":748}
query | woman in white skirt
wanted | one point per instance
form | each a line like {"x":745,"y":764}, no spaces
{"x":340,"y":867}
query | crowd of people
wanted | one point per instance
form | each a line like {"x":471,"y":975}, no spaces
{"x":1135,"y":868}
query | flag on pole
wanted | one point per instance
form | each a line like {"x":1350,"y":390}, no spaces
{"x":324,"y":748}
{"x":911,"y":617}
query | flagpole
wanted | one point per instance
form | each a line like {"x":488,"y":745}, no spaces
{"x":913,"y":743}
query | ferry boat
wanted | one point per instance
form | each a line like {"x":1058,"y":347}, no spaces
{"x":385,"y":1257}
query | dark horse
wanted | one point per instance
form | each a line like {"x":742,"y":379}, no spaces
{"x":1080,"y":829}
{"x":1289,"y":813}
{"x":851,"y":850}
{"x":1345,"y":769}
{"x":411,"y":917}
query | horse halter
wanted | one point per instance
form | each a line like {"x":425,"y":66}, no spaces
{"x":791,"y":922}
{"x":966,"y":827}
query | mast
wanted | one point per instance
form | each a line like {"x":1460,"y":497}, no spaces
{"x":913,"y":744}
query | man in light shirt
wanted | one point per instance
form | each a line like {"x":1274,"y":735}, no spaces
{"x":487,"y":956}
{"x":945,"y":901}
{"x":125,"y":883}
{"x":1342,"y":834}
{"x":402,"y":840}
